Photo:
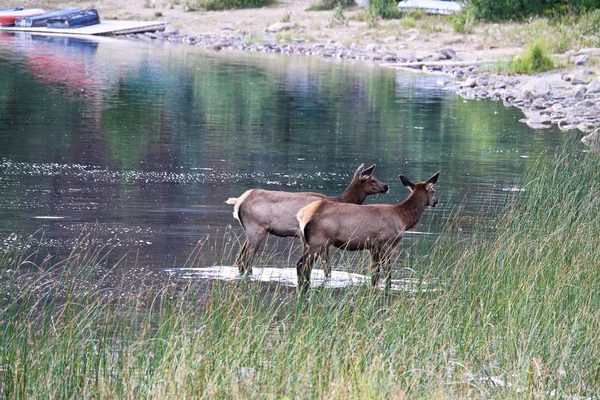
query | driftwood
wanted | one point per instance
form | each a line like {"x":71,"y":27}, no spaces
{"x":432,"y":64}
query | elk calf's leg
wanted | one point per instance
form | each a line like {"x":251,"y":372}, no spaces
{"x":254,"y":237}
{"x":376,"y":266}
{"x":326,"y":264}
{"x":304,"y":268}
{"x":241,"y":258}
{"x":387,"y":267}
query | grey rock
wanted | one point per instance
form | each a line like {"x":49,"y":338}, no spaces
{"x":585,"y":104}
{"x":372,"y":47}
{"x":594,"y":86}
{"x":390,"y":39}
{"x":565,"y":126}
{"x":578,"y":81}
{"x":586,"y":126}
{"x":281,"y":26}
{"x":539,"y":122}
{"x":169,"y":30}
{"x":449,"y":54}
{"x":469,"y":83}
{"x":580,"y":59}
{"x":534,"y":89}
{"x":576,"y":93}
{"x":592,"y":140}
{"x":538,"y":104}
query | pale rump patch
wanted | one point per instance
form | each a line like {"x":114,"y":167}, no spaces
{"x":306,"y":213}
{"x":238,"y":203}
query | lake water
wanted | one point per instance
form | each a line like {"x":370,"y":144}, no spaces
{"x":139,"y":144}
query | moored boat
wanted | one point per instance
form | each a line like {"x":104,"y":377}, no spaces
{"x":11,"y":9}
{"x":41,"y":19}
{"x":9,"y":17}
{"x":446,"y":7}
{"x":75,"y":20}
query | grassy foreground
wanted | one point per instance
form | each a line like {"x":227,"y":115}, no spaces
{"x":518,"y":317}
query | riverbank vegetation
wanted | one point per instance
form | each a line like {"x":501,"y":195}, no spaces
{"x":515,"y":314}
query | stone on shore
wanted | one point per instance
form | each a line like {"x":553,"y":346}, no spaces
{"x":580,"y":59}
{"x":534,"y":89}
{"x":594,"y":86}
{"x":281,"y":26}
{"x":592,"y":140}
{"x":448,"y":54}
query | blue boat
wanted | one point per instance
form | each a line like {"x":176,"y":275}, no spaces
{"x":11,"y":9}
{"x":76,"y":20}
{"x":41,"y":19}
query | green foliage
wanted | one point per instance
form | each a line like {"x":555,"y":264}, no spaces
{"x":337,"y":18}
{"x":463,"y":22}
{"x":494,"y":10}
{"x":323,"y":5}
{"x":385,"y":9}
{"x":408,"y":22}
{"x":533,"y":59}
{"x":212,"y":5}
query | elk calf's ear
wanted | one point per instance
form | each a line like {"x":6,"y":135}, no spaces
{"x":434,"y":178}
{"x":369,"y":170}
{"x":359,"y":170}
{"x":406,"y":182}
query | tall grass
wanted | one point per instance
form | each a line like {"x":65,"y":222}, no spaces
{"x":533,"y":59}
{"x":517,"y":317}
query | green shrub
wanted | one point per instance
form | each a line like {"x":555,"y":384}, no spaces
{"x":463,"y":22}
{"x":212,"y":5}
{"x":518,"y":10}
{"x":323,"y":5}
{"x":534,"y":59}
{"x":386,"y":9}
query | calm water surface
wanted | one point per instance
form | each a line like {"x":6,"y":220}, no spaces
{"x":139,"y":144}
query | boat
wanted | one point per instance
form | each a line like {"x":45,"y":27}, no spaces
{"x":75,"y":20}
{"x":445,"y":7}
{"x":41,"y":19}
{"x":11,"y":9}
{"x":9,"y":17}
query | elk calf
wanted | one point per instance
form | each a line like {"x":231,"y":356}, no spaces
{"x":266,"y":211}
{"x":378,"y":228}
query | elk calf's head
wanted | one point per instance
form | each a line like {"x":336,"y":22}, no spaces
{"x":425,"y":188}
{"x":371,"y":185}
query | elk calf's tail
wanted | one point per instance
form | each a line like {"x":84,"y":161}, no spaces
{"x":231,"y":200}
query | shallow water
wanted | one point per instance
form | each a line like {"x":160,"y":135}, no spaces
{"x":138,"y":145}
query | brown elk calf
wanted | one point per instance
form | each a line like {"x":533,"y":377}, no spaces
{"x":378,"y":228}
{"x":266,"y":211}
